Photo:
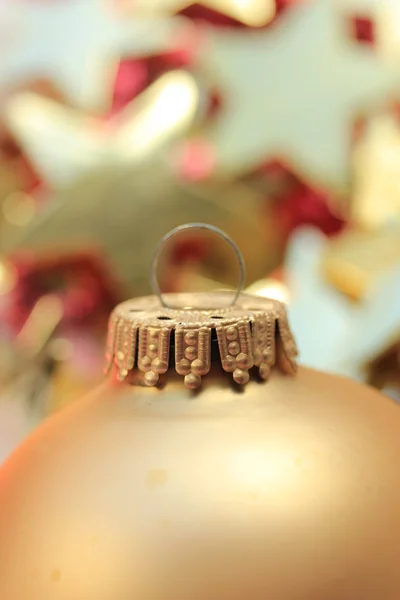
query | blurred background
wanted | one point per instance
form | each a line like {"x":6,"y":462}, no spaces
{"x":275,"y":120}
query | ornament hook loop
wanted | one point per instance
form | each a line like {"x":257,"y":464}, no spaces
{"x":154,"y":265}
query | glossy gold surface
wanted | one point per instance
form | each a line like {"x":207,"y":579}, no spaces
{"x":285,"y":491}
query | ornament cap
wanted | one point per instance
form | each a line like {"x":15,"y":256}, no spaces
{"x":250,"y":331}
{"x":151,"y":338}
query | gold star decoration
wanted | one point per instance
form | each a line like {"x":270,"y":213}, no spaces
{"x":124,"y":211}
{"x":293,"y":92}
{"x":376,"y":194}
{"x":76,"y":44}
{"x":63,"y":144}
{"x":254,"y":13}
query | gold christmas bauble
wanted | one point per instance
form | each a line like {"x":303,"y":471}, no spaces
{"x":187,"y":475}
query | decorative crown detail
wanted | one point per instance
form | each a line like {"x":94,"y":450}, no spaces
{"x":252,"y":333}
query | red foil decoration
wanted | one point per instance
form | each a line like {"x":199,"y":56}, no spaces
{"x":81,"y":281}
{"x":302,"y":206}
{"x":295,"y":203}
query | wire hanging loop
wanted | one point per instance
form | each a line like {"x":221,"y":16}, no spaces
{"x":189,"y":226}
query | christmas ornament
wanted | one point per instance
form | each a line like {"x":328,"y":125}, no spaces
{"x":375,"y":199}
{"x":77,"y":45}
{"x":64,"y":144}
{"x":254,"y":13}
{"x":213,"y":493}
{"x":271,"y":112}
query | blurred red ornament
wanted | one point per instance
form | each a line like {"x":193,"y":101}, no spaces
{"x":295,"y":204}
{"x":80,"y":281}
{"x":301,"y":206}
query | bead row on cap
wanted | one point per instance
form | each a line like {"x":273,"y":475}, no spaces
{"x":259,"y":341}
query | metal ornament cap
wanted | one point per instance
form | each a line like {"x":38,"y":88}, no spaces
{"x":254,"y":332}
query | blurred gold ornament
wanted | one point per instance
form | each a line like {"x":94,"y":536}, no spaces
{"x":76,"y":44}
{"x":293,"y":92}
{"x":376,"y":194}
{"x":64,"y":144}
{"x":355,"y":262}
{"x":123,"y":210}
{"x":254,"y":13}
